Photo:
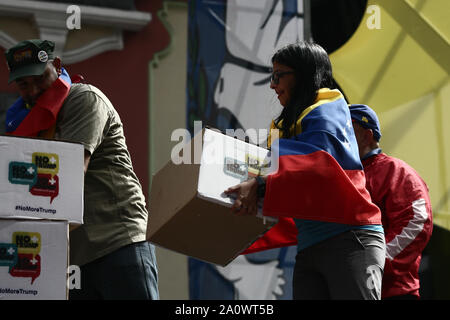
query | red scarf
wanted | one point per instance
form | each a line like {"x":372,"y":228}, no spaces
{"x":44,"y":113}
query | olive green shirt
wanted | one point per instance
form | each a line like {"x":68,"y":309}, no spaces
{"x":114,"y":205}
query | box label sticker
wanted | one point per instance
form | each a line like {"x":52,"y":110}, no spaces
{"x":47,"y":186}
{"x":21,"y":256}
{"x":47,"y":163}
{"x":27,"y":267}
{"x":8,"y":255}
{"x":254,"y":164}
{"x":22,"y":173}
{"x":235,"y":168}
{"x":40,"y":175}
{"x":27,"y":242}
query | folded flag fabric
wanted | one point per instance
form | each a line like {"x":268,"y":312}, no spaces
{"x":320,"y":176}
{"x":22,"y":121}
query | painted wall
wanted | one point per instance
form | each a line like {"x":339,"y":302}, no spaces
{"x":167,"y":95}
{"x":146,"y":83}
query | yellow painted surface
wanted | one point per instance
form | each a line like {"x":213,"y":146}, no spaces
{"x":402,"y":71}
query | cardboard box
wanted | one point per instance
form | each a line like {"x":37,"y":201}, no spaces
{"x":41,"y":179}
{"x":190,"y":214}
{"x":33,"y":259}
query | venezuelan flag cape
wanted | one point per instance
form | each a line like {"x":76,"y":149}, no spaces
{"x":22,"y":121}
{"x":320,"y":176}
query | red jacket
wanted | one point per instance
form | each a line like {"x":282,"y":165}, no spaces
{"x":405,"y":205}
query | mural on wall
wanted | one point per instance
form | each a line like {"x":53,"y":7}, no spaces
{"x":229,"y":49}
{"x":230,"y":44}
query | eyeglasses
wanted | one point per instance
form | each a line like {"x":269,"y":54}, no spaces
{"x":275,"y":77}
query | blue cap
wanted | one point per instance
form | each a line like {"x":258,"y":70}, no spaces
{"x":367,"y":118}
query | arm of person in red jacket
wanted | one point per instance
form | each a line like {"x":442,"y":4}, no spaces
{"x":407,"y":221}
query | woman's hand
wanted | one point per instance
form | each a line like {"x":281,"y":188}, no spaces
{"x":246,"y":197}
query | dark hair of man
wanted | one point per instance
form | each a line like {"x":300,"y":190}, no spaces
{"x":312,"y":71}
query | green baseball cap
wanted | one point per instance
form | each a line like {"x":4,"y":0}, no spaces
{"x":29,"y":58}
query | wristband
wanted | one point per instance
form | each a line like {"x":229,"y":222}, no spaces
{"x":261,"y":190}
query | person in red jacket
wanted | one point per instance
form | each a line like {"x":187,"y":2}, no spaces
{"x":402,"y":196}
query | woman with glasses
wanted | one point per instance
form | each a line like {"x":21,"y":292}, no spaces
{"x":320,"y":184}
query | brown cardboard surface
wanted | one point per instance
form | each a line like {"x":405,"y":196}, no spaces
{"x":172,"y":188}
{"x":209,"y":232}
{"x":181,"y":221}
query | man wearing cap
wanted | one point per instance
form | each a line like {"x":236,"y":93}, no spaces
{"x":405,"y":205}
{"x":115,"y":260}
